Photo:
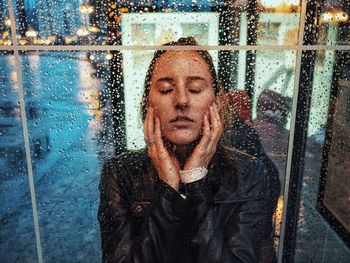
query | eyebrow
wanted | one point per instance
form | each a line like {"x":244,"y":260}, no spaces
{"x":168,"y":79}
{"x":196,"y":78}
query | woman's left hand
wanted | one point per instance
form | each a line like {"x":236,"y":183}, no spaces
{"x":206,"y":148}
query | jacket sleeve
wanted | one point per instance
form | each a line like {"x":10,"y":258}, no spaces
{"x":232,"y":232}
{"x":158,"y":232}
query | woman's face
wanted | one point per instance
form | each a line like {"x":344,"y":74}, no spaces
{"x":181,"y":93}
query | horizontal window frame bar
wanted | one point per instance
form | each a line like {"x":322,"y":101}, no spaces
{"x":146,"y":48}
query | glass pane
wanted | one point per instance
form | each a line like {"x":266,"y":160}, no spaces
{"x":272,"y":103}
{"x":214,"y":23}
{"x":17,"y":238}
{"x":5,"y":25}
{"x":323,"y":226}
{"x":157,"y":22}
{"x":60,"y":22}
{"x":271,"y":108}
{"x":69,"y":120}
{"x":334,"y":23}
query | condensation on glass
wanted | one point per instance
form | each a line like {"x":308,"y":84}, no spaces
{"x":324,"y":222}
{"x":68,"y":105}
{"x":5,"y":25}
{"x":16,"y":218}
{"x":152,"y":22}
{"x":83,"y":107}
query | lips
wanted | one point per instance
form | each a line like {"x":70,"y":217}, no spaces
{"x":182,"y":119}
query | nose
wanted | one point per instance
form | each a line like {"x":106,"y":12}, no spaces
{"x":181,"y":99}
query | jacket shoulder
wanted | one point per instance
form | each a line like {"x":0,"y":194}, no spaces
{"x":128,"y":159}
{"x":125,"y":166}
{"x":248,"y":169}
{"x":238,"y":156}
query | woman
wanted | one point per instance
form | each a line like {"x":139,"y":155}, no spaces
{"x":186,"y":198}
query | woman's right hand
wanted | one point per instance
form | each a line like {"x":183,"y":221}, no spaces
{"x":167,"y":166}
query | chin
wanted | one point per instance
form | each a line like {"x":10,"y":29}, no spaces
{"x":182,"y":138}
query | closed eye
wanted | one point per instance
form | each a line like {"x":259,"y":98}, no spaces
{"x":165,"y":91}
{"x":195,"y":91}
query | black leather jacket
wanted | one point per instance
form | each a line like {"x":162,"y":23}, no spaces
{"x":223,"y":218}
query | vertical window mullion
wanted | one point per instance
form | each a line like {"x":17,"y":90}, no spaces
{"x":25,"y":130}
{"x":299,"y":125}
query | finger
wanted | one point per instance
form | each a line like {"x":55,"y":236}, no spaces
{"x":200,"y":156}
{"x":157,"y":132}
{"x":218,"y":123}
{"x":203,"y":143}
{"x":214,"y":119}
{"x":216,"y":129}
{"x":158,"y":139}
{"x":149,"y":132}
{"x":162,"y":152}
{"x":206,"y":131}
{"x":221,"y":125}
{"x":150,"y":125}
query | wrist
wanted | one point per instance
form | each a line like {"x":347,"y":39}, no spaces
{"x":193,"y":165}
{"x":193,"y":174}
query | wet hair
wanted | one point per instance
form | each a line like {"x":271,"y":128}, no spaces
{"x":187,"y":41}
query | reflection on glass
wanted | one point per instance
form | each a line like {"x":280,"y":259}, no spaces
{"x":69,"y":122}
{"x":16,"y":216}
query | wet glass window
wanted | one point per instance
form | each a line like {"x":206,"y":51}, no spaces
{"x":16,"y":204}
{"x":72,"y":84}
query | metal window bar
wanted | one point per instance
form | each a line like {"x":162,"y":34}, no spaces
{"x":25,"y":132}
{"x":292,"y":128}
{"x":147,"y":47}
